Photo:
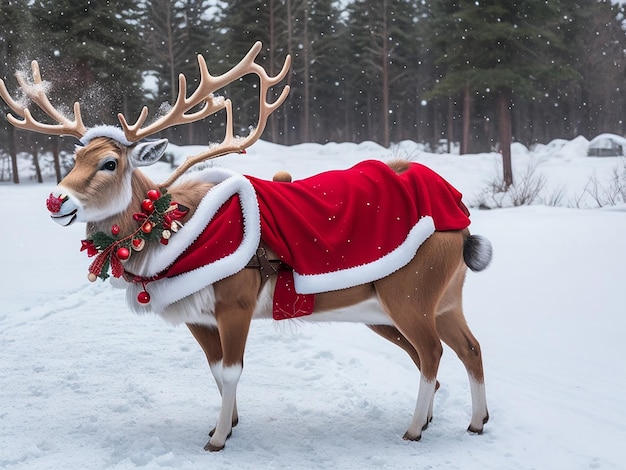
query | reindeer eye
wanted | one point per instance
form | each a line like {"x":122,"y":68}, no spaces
{"x":109,"y":165}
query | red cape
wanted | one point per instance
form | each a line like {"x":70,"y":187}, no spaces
{"x":337,"y":229}
{"x":340,"y":220}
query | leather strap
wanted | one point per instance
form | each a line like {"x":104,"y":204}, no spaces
{"x":267,"y":267}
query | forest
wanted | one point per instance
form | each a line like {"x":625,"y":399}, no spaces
{"x":480,"y":73}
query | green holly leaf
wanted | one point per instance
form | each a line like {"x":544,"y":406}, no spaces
{"x":101,"y":240}
{"x":104,"y":273}
{"x":163,"y":203}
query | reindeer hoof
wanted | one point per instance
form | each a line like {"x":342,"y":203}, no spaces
{"x":410,"y":437}
{"x":478,"y":429}
{"x":474,"y":430}
{"x":212,"y":448}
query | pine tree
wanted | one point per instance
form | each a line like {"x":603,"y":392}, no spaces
{"x":317,"y":67}
{"x":501,"y":49}
{"x":175,"y":33}
{"x":382,"y":38}
{"x":385,"y":70}
{"x":242,"y":24}
{"x":595,"y":39}
{"x":14,"y":34}
{"x":95,"y":47}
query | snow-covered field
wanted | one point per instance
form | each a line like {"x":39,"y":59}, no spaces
{"x":85,"y":384}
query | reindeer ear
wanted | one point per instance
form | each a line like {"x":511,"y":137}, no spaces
{"x":147,"y":153}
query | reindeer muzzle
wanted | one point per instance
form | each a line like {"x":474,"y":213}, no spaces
{"x":62,"y":213}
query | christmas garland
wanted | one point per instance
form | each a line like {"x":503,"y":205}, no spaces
{"x":158,"y":220}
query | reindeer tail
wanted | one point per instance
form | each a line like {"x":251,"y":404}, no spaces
{"x":477,"y":252}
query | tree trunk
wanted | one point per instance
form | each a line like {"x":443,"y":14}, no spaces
{"x":289,"y":104}
{"x":273,"y":126}
{"x":504,"y":124}
{"x":170,"y":54}
{"x":436,"y":125}
{"x":56,"y":159}
{"x":467,"y":106}
{"x":13,"y":153}
{"x":36,"y":164}
{"x":385,"y":77}
{"x":306,"y":79}
{"x":450,"y":124}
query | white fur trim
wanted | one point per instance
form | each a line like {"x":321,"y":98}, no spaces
{"x":111,"y":132}
{"x":391,"y":262}
{"x":170,"y":290}
{"x":197,"y":308}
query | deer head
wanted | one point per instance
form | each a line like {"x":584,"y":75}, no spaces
{"x":101,"y":183}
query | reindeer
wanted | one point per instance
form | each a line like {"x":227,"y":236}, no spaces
{"x":140,"y":230}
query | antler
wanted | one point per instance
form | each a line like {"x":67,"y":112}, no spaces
{"x":36,"y":91}
{"x":180,"y":113}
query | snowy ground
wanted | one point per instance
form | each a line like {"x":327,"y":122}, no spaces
{"x":85,"y":384}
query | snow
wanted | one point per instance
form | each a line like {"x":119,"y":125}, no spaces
{"x":607,"y":141}
{"x":86,"y":384}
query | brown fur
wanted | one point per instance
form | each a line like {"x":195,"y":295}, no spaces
{"x":399,"y":166}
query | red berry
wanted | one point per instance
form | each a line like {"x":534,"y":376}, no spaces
{"x":123,"y":253}
{"x":115,"y":229}
{"x":146,"y":227}
{"x":147,"y":205}
{"x":153,"y":194}
{"x":143,"y":297}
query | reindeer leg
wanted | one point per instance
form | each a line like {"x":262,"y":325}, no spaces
{"x":418,"y":327}
{"x":234,"y":306}
{"x":209,"y":339}
{"x":233,"y":326}
{"x":392,"y":334}
{"x":430,"y":351}
{"x":411,"y":297}
{"x":454,"y":331}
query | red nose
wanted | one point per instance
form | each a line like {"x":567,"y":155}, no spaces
{"x":53,"y":203}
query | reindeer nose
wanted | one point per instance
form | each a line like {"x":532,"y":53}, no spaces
{"x":54,"y":203}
